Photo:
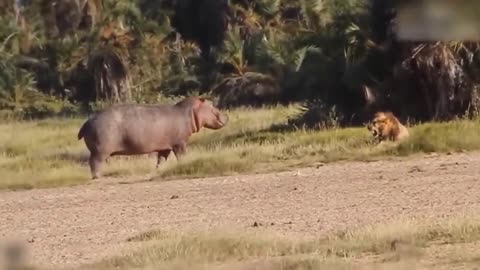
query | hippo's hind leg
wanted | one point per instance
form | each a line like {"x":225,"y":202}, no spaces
{"x":163,"y":154}
{"x":179,"y":150}
{"x":95,"y":163}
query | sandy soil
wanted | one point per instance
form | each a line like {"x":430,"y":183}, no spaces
{"x":77,"y":225}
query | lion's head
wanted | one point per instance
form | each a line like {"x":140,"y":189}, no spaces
{"x":386,"y":126}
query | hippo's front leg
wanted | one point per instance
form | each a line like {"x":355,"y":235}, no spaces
{"x":180,"y":150}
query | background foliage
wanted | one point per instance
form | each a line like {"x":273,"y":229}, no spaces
{"x":340,"y":57}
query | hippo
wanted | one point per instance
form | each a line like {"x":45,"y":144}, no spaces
{"x":134,"y":129}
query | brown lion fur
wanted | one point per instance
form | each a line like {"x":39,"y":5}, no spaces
{"x":385,"y":126}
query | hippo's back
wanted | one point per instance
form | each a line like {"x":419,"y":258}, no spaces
{"x":134,"y":128}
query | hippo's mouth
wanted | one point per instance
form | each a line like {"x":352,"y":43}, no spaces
{"x":222,"y":121}
{"x":220,"y":124}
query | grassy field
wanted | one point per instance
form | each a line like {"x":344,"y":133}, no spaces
{"x":406,"y":244}
{"x":46,"y":153}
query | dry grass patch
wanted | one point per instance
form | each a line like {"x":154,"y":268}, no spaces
{"x":263,"y":150}
{"x":37,"y":154}
{"x":392,"y":244}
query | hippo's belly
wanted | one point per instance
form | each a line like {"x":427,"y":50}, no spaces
{"x":145,"y":145}
{"x":147,"y":135}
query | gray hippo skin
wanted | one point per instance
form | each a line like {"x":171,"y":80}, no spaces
{"x":143,"y":129}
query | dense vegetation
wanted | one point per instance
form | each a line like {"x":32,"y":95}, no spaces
{"x":339,"y":56}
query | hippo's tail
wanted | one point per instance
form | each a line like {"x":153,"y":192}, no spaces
{"x":82,"y":130}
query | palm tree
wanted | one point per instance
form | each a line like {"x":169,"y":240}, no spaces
{"x":107,"y":57}
{"x":202,"y":21}
{"x":264,"y":66}
{"x":433,"y":78}
{"x":241,"y":84}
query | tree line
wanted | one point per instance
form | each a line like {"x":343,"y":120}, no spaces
{"x":340,"y":57}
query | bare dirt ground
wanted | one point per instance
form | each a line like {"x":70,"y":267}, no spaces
{"x":77,"y":225}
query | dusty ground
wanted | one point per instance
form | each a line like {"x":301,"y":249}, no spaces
{"x":72,"y":226}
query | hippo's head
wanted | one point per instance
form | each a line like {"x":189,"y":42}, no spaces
{"x":206,"y":115}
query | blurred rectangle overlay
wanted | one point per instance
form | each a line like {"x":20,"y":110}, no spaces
{"x":438,"y":20}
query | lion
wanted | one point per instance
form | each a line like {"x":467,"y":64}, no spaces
{"x":385,"y":126}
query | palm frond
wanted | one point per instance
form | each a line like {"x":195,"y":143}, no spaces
{"x":268,"y":7}
{"x":300,"y":55}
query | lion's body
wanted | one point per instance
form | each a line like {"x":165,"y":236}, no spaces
{"x":385,"y":126}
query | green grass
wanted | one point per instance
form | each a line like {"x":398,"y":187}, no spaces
{"x":46,"y":153}
{"x":370,"y":245}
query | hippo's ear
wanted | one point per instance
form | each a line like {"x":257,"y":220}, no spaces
{"x":197,"y":102}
